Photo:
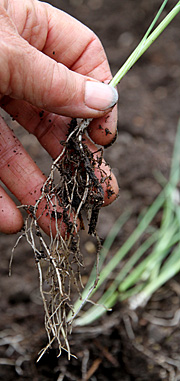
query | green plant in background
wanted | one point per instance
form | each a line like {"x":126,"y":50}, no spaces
{"x":160,"y":253}
{"x":137,"y":281}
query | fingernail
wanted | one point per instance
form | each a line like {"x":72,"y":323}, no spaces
{"x":100,"y":96}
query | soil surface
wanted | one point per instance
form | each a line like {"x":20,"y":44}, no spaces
{"x":122,"y":345}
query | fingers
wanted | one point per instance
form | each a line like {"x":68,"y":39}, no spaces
{"x":31,"y":75}
{"x":24,"y":179}
{"x":47,"y":84}
{"x":38,"y":122}
{"x":59,"y":80}
{"x":103,"y":131}
{"x":87,"y":57}
{"x":104,"y":174}
{"x":17,"y":170}
{"x":11,"y":220}
{"x":51,"y":129}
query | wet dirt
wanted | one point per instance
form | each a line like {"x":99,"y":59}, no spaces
{"x":122,"y":345}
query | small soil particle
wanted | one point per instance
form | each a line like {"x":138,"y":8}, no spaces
{"x":41,"y":113}
{"x":107,"y":131}
{"x":112,"y":141}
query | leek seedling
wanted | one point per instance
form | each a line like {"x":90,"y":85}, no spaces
{"x":137,"y":282}
{"x":126,"y":285}
{"x":146,"y":41}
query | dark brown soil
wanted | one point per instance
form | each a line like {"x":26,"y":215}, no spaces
{"x":122,"y":345}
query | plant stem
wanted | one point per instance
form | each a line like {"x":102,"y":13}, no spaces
{"x":145,"y":43}
{"x":155,"y":20}
{"x":106,"y":271}
{"x":147,"y":291}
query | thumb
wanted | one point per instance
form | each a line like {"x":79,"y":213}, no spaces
{"x":30,"y":75}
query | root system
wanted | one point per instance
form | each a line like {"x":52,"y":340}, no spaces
{"x":75,"y":193}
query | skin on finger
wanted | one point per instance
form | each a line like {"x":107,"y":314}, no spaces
{"x":31,"y":75}
{"x":39,"y":122}
{"x":103,"y":131}
{"x":63,"y":90}
{"x":85,"y":55}
{"x":46,"y":217}
{"x":11,"y":220}
{"x":50,"y":129}
{"x":23,"y":178}
{"x":93,"y":63}
{"x":109,"y":184}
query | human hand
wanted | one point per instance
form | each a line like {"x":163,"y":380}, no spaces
{"x":50,"y":68}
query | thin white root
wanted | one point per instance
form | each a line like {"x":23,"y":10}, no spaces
{"x":58,"y":257}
